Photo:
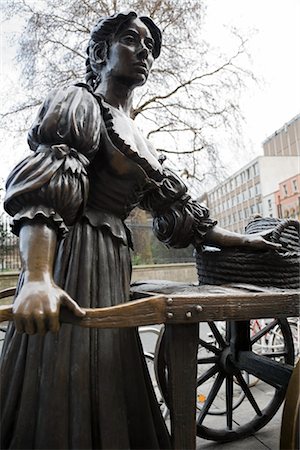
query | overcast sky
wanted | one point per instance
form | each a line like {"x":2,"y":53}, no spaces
{"x":276,"y":63}
{"x":275,"y":51}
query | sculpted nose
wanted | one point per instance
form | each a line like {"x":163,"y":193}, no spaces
{"x":143,"y":52}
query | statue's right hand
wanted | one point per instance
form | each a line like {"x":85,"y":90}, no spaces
{"x":36,"y":308}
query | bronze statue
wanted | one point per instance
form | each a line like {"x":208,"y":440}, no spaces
{"x":77,"y":388}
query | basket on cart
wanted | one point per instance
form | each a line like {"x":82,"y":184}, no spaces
{"x":278,"y":268}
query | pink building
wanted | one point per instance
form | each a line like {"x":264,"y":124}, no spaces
{"x":287,"y":198}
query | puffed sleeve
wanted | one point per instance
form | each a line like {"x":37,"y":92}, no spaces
{"x":51,"y":185}
{"x":177,"y":219}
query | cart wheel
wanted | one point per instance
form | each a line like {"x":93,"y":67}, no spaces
{"x":217,"y":389}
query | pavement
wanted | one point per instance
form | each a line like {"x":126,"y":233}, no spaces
{"x":268,"y":438}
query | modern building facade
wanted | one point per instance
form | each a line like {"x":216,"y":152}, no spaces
{"x":268,"y":185}
{"x":285,"y":141}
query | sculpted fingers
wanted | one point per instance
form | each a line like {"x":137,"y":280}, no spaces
{"x":53,"y":322}
{"x":274,"y":245}
{"x":40,"y":323}
{"x":24,"y":323}
{"x":73,"y":306}
{"x":29,"y":324}
{"x":19,"y":324}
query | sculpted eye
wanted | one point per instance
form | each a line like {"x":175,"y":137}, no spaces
{"x":149,"y":44}
{"x":128,"y":39}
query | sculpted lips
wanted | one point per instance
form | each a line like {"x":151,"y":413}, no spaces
{"x":142,"y":67}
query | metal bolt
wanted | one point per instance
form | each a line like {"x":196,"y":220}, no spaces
{"x":170,"y":315}
{"x":188,"y":315}
{"x":169,"y":301}
{"x":199,"y":308}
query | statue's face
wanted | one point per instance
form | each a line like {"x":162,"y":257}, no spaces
{"x":130,"y":54}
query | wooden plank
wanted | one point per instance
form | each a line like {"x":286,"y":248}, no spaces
{"x":182,"y":345}
{"x":235,"y":306}
{"x":264,"y":368}
{"x":185,"y":309}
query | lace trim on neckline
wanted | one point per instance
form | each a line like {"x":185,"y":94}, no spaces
{"x":121,"y":145}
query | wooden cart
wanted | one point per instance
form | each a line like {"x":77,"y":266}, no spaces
{"x":181,"y":312}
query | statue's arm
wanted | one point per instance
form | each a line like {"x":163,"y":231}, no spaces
{"x":179,"y":221}
{"x":36,"y":308}
{"x":224,"y":238}
{"x":45,"y":194}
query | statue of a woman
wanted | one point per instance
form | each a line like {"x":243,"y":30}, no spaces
{"x":75,"y":388}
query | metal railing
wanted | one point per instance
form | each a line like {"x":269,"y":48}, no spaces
{"x":9,"y":248}
{"x":147,"y":249}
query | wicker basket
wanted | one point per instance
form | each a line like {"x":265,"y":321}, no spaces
{"x":280,"y":268}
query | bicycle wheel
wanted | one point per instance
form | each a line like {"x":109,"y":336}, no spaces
{"x":150,"y":364}
{"x":277,"y":340}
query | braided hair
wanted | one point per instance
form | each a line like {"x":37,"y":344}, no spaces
{"x":101,"y":35}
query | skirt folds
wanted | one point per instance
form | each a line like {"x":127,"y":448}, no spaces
{"x":81,"y":388}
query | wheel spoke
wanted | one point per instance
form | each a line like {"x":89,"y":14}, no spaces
{"x":248,"y":393}
{"x":207,"y":375}
{"x":208,"y":360}
{"x":209,"y":347}
{"x":229,"y":400}
{"x":210,"y":398}
{"x":228,"y":332}
{"x":275,"y":354}
{"x":217,"y":334}
{"x":263,"y":331}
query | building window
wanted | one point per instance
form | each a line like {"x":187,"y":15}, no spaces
{"x":257,"y":189}
{"x":269,"y":203}
{"x":255,"y":169}
{"x":285,"y":191}
{"x":295,"y":185}
{"x":245,"y":195}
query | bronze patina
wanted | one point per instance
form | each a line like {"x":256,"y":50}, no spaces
{"x":66,"y":386}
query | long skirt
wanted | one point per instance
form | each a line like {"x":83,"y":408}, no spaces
{"x":81,"y":388}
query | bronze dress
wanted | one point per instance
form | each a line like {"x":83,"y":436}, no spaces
{"x":88,"y":388}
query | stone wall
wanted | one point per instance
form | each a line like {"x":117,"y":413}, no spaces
{"x":173,"y":272}
{"x":8,"y":279}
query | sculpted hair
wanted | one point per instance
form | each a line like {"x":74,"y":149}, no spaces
{"x":102,"y":34}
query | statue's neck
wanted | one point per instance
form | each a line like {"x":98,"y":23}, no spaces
{"x":117,"y":94}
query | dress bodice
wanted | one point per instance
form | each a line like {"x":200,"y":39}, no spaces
{"x":125,"y":167}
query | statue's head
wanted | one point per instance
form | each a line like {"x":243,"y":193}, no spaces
{"x":122,"y":45}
